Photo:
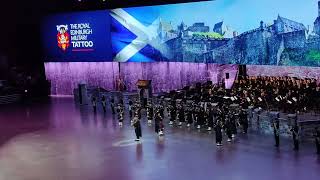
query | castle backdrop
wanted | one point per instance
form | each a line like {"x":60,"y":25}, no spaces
{"x":267,"y":32}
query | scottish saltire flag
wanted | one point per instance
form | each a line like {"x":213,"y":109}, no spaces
{"x":135,"y":35}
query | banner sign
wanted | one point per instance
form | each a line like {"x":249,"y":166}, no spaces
{"x":78,"y":37}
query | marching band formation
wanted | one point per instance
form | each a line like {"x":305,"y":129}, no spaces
{"x":213,"y":107}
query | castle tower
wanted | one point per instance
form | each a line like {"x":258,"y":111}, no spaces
{"x":318,"y":8}
{"x":181,"y":29}
{"x":261,"y":25}
{"x":316,"y":27}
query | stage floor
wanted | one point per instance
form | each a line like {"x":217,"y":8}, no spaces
{"x":62,"y":141}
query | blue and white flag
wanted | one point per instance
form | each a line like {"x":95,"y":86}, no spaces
{"x":136,"y":35}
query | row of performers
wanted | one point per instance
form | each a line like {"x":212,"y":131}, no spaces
{"x":220,"y":119}
{"x":290,"y":103}
{"x":135,"y":112}
{"x":199,"y":114}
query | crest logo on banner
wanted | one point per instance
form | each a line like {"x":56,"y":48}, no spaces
{"x":63,"y":37}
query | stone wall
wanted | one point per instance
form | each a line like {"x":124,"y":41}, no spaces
{"x":261,"y":46}
{"x":256,"y":47}
{"x":294,"y":40}
{"x":275,"y":49}
{"x":224,"y":54}
{"x":247,"y":48}
{"x":313,"y":43}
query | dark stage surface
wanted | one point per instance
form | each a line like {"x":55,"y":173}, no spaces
{"x":62,"y":141}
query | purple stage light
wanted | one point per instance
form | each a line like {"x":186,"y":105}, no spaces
{"x":65,"y":76}
{"x":168,"y":76}
{"x":165,"y":76}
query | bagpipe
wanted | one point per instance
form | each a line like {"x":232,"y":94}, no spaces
{"x":219,"y":123}
{"x":150,"y":112}
{"x":119,"y":108}
{"x":120,"y":115}
{"x":135,"y":121}
{"x":158,"y":115}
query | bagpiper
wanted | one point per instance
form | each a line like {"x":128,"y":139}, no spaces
{"x":120,"y":114}
{"x":138,"y":109}
{"x":137,"y":127}
{"x":159,"y":127}
{"x":130,"y":108}
{"x":234,"y":122}
{"x":276,"y":132}
{"x":218,"y":128}
{"x":161,"y":109}
{"x":94,"y":104}
{"x":228,"y":128}
{"x":173,"y":113}
{"x":104,"y":103}
{"x":181,"y":116}
{"x":209,"y":117}
{"x":244,"y":120}
{"x":149,"y":113}
{"x":295,"y":136}
{"x":112,"y":105}
{"x":197,"y":117}
{"x":189,"y":116}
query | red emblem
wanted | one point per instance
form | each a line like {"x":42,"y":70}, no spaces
{"x":63,"y":37}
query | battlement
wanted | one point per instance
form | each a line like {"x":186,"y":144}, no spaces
{"x":294,"y":33}
{"x":253,"y":31}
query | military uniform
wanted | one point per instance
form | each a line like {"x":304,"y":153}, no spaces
{"x":218,"y":129}
{"x":159,"y":128}
{"x":276,"y":132}
{"x":210,"y":119}
{"x":189,"y":116}
{"x":173,"y":114}
{"x":244,"y":121}
{"x":130,"y":108}
{"x":112,"y":106}
{"x":120,"y":114}
{"x":94,"y":104}
{"x":137,"y":128}
{"x":181,"y":116}
{"x":104,"y":103}
{"x":150,"y":113}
